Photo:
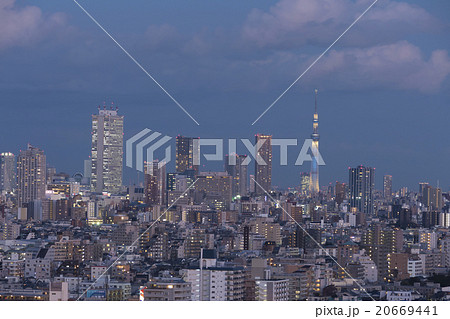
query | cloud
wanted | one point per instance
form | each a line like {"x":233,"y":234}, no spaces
{"x":293,"y":23}
{"x":399,"y":66}
{"x":26,"y":25}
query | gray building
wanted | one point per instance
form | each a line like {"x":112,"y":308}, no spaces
{"x":31,"y":175}
{"x":236,"y":168}
{"x":362,"y":184}
{"x":7,"y":172}
{"x":107,"y":151}
{"x":263,"y":170}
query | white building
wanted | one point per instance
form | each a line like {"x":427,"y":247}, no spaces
{"x":272,"y":290}
{"x":415,"y":266}
{"x":398,"y":295}
{"x":59,"y":291}
{"x":370,"y":268}
{"x":107,"y":151}
{"x":216,"y":283}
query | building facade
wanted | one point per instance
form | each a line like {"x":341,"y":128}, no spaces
{"x":7,"y":172}
{"x":107,"y":151}
{"x":362,"y":184}
{"x":263,"y":164}
{"x":31,"y":175}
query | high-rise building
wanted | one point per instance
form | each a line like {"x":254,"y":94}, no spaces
{"x":107,"y":151}
{"x":235,"y":167}
{"x":387,"y":187}
{"x":314,"y":181}
{"x":432,"y":198}
{"x":263,"y":170}
{"x":7,"y":172}
{"x":304,"y":183}
{"x":31,"y":171}
{"x":379,"y":242}
{"x":251,"y":187}
{"x":155,"y":183}
{"x":185,"y":149}
{"x":214,"y":187}
{"x":87,"y":169}
{"x":361,"y":183}
{"x":340,"y":192}
{"x":422,"y":187}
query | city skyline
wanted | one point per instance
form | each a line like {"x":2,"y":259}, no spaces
{"x":169,"y":151}
{"x":385,"y":113}
{"x":219,"y":166}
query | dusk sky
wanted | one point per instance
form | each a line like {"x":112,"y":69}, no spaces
{"x":384,"y":88}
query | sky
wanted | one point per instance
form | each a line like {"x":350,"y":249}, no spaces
{"x":383,"y":87}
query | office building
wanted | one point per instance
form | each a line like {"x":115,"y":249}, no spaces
{"x":432,"y":198}
{"x":214,"y":187}
{"x":263,"y":169}
{"x":362,"y":184}
{"x":304,"y":183}
{"x":107,"y":151}
{"x":387,"y":187}
{"x":340,"y":191}
{"x":31,"y":171}
{"x":7,"y":172}
{"x":155,"y":183}
{"x":237,"y":169}
{"x":185,"y":149}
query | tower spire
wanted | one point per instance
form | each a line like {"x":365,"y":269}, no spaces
{"x":314,"y":174}
{"x":315,"y":101}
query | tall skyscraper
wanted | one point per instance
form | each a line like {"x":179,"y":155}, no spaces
{"x":238,"y":171}
{"x":314,"y":181}
{"x":7,"y":172}
{"x":362,"y":184}
{"x":263,"y":171}
{"x":422,"y":186}
{"x":31,"y":175}
{"x":387,"y":187}
{"x":185,"y":154}
{"x":432,"y":198}
{"x":155,"y":183}
{"x":107,"y":151}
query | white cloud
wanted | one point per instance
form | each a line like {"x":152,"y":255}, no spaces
{"x":293,"y":23}
{"x":399,"y":66}
{"x":26,"y":25}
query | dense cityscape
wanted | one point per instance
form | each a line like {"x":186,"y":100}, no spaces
{"x":220,"y":151}
{"x":214,"y":235}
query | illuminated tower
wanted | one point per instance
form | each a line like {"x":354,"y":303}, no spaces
{"x":314,"y":180}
